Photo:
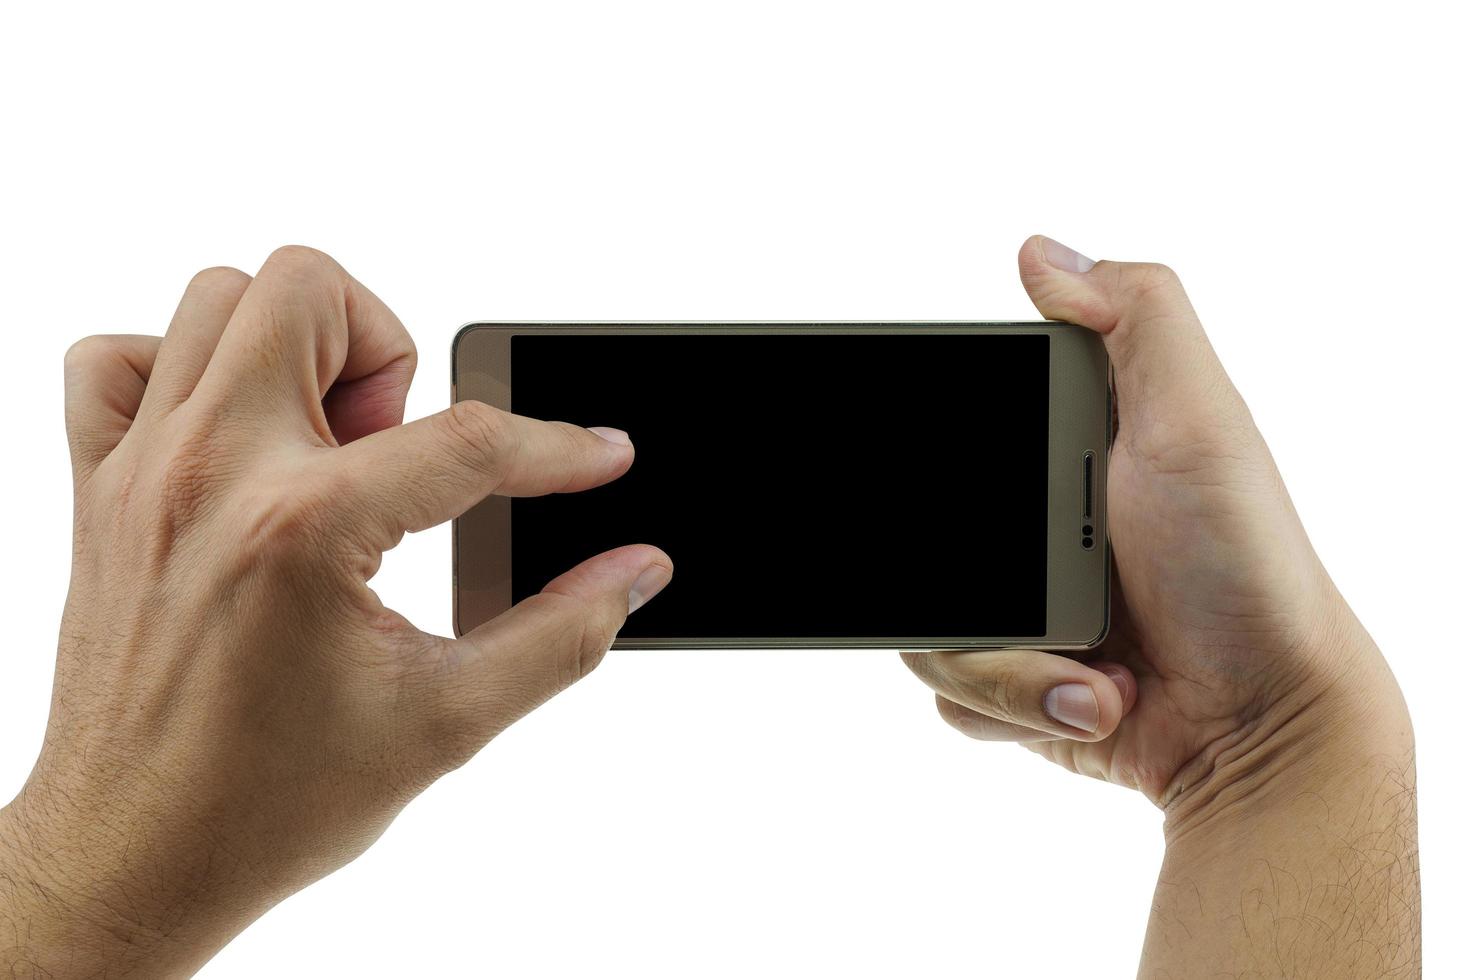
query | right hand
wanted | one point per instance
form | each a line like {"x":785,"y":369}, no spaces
{"x":235,"y":712}
{"x":1229,"y":642}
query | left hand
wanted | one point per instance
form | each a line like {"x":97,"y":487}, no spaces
{"x":1229,"y":641}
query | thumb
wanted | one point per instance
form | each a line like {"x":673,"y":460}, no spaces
{"x":1163,"y":363}
{"x":505,"y":668}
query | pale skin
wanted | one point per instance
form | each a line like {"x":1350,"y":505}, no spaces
{"x":235,"y":713}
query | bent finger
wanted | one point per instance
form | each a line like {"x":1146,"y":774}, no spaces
{"x":1038,"y":690}
{"x":105,"y":380}
{"x":200,"y":319}
{"x":989,"y":729}
{"x":309,"y":345}
{"x":985,"y":728}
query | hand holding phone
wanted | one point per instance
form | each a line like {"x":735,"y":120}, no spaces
{"x":235,"y":711}
{"x":1237,"y":690}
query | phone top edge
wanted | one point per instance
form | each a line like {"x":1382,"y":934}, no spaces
{"x":913,"y":645}
{"x":472,"y":325}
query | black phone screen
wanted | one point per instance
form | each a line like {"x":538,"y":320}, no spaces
{"x":806,"y":486}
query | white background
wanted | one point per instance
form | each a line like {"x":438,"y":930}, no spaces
{"x":775,"y":814}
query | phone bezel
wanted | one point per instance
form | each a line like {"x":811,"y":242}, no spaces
{"x":1078,"y":580}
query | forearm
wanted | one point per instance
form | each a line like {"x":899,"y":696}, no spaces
{"x":1304,"y":865}
{"x":77,"y":902}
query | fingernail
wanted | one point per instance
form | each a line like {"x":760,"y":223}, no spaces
{"x":647,"y":584}
{"x":1074,"y":705}
{"x":1116,"y":672}
{"x":1064,"y":258}
{"x":610,"y":435}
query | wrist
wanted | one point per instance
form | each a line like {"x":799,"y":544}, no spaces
{"x":1290,"y":847}
{"x":80,"y":896}
{"x":1341,"y":747}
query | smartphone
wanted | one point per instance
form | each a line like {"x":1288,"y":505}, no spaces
{"x":914,"y":486}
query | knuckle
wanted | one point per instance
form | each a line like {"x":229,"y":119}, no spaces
{"x":948,"y":709}
{"x":1159,"y":272}
{"x":298,"y":267}
{"x":578,"y":443}
{"x":581,"y":637}
{"x":1145,"y":280}
{"x":455,"y":719}
{"x":593,"y":642}
{"x":304,"y":291}
{"x":219,"y":280}
{"x":88,"y":352}
{"x":301,"y":258}
{"x":1001,"y":688}
{"x":405,"y":359}
{"x":184,"y":481}
{"x":922,"y":663}
{"x":565,"y":454}
{"x":476,"y":432}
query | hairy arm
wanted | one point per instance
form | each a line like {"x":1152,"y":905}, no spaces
{"x":1296,"y":858}
{"x":1237,"y":690}
{"x":85,"y":891}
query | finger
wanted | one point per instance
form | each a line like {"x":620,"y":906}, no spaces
{"x":1163,"y":362}
{"x":105,"y":379}
{"x":1099,"y":760}
{"x":1119,"y":674}
{"x":309,"y":346}
{"x":985,"y":728}
{"x":369,"y":393}
{"x":418,"y":475}
{"x":507,"y":667}
{"x":1042,"y":691}
{"x":200,"y":319}
{"x":989,"y":729}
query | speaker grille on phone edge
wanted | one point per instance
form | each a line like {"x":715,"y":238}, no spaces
{"x":1088,"y":464}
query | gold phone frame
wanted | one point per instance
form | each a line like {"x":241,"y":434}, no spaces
{"x":1078,"y":579}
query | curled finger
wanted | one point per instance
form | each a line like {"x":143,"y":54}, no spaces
{"x":1030,"y":688}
